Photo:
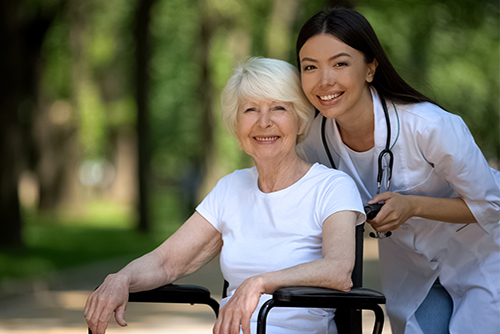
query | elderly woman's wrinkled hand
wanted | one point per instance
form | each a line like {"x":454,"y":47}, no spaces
{"x":111,"y":296}
{"x":236,"y":314}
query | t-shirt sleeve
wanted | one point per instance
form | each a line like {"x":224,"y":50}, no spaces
{"x":210,"y":207}
{"x":340,"y":194}
{"x":456,"y":157}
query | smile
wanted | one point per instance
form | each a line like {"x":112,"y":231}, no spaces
{"x":266,"y":139}
{"x":329,"y":97}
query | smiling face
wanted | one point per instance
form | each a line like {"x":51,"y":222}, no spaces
{"x":267,"y":130}
{"x":335,"y":77}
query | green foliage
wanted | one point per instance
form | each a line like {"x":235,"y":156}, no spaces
{"x":92,"y":125}
{"x":55,"y":247}
{"x":102,"y":231}
{"x":260,"y":13}
{"x":56,"y":78}
{"x":92,"y":71}
{"x":449,"y":51}
{"x":175,"y":110}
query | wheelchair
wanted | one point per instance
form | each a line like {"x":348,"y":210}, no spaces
{"x":348,"y":305}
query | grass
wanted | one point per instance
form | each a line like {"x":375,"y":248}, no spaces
{"x":62,"y":240}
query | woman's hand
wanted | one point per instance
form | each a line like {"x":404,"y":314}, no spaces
{"x":239,"y":309}
{"x":394,"y":213}
{"x":399,"y":208}
{"x":111,"y":296}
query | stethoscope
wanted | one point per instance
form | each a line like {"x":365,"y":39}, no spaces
{"x":386,"y":151}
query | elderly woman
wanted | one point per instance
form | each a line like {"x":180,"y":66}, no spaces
{"x":283,"y":222}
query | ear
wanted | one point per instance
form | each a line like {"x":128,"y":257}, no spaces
{"x":372,"y":68}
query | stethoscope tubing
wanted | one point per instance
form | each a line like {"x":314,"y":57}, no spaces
{"x":387,"y":150}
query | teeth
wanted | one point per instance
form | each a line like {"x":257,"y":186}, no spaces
{"x":266,"y":138}
{"x":329,"y":97}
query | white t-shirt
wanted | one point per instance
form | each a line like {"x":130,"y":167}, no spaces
{"x":364,"y":164}
{"x":265,"y":232}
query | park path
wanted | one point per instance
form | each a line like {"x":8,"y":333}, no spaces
{"x":55,"y":306}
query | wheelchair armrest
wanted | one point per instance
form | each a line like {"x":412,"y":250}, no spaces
{"x":172,"y":293}
{"x":303,"y":296}
{"x":328,"y":298}
{"x":176,"y":293}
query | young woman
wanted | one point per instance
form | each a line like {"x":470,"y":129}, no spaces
{"x":283,"y":222}
{"x":441,"y":201}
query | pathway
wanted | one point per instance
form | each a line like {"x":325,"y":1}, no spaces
{"x":55,"y":306}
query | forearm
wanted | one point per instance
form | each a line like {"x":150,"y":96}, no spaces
{"x":195,"y":243}
{"x":450,"y":210}
{"x":327,"y":273}
{"x":185,"y":251}
{"x":144,"y":273}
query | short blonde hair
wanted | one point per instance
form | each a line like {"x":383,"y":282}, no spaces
{"x":265,"y":78}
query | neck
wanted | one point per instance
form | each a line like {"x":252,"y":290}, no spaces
{"x":357,"y":127}
{"x":275,"y":176}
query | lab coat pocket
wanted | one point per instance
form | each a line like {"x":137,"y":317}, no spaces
{"x":470,"y":234}
{"x":424,"y":183}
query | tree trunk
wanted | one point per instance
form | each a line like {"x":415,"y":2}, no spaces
{"x":21,"y":36}
{"x":142,"y":56}
{"x":205,"y":93}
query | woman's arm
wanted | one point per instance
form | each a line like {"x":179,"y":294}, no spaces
{"x":332,"y":271}
{"x":447,"y":144}
{"x":399,"y":208}
{"x":449,"y":147}
{"x":195,"y":243}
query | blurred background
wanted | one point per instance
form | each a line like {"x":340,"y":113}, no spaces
{"x":110,"y":129}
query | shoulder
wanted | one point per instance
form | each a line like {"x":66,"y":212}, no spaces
{"x":239,"y":178}
{"x":426,"y":112}
{"x":424,"y":118}
{"x":327,"y":175}
{"x":335,"y":191}
{"x":322,"y":170}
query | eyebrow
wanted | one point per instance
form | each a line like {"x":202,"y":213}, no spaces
{"x":342,"y":54}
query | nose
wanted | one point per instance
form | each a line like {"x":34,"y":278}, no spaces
{"x":327,"y":77}
{"x":265,"y":119}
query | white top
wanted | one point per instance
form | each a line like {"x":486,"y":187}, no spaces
{"x":364,"y":164}
{"x":435,"y":155}
{"x":265,"y":232}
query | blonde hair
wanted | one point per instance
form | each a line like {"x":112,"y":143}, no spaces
{"x":270,"y":79}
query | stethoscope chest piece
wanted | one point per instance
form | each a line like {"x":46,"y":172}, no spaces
{"x":382,"y":165}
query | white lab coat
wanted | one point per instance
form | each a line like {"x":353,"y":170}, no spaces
{"x":434,"y":155}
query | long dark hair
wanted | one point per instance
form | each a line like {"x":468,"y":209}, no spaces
{"x":353,"y":29}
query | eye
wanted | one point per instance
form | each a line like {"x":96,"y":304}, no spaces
{"x":249,"y":110}
{"x":279,"y":108}
{"x":341,"y":64}
{"x":308,"y":68}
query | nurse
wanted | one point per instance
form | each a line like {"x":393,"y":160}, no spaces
{"x":440,"y":263}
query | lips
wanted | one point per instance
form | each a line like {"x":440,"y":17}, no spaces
{"x":266,"y":138}
{"x":330,"y":97}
